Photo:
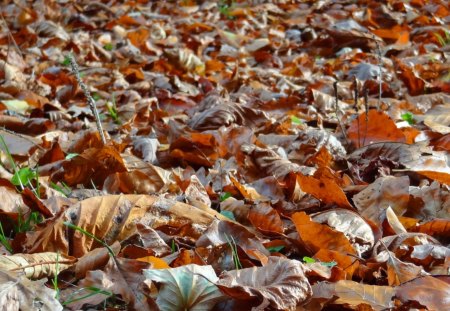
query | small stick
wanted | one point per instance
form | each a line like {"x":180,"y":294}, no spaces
{"x":356,"y":95}
{"x":380,"y":81}
{"x":337,"y":110}
{"x":366,"y":105}
{"x":89,"y":98}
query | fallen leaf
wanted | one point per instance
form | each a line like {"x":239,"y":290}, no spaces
{"x":189,"y":287}
{"x":19,"y":293}
{"x":355,"y":294}
{"x":38,"y":265}
{"x":317,"y":236}
{"x":428,"y":291}
{"x":374,"y":127}
{"x":280,"y":284}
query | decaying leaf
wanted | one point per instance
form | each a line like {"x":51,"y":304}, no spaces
{"x":121,"y":277}
{"x":385,"y":192}
{"x":19,"y":293}
{"x":280,"y":284}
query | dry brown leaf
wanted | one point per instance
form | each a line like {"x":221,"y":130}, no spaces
{"x":280,"y":284}
{"x":428,"y":291}
{"x":226,"y":115}
{"x":385,"y":192}
{"x":224,"y":232}
{"x":399,"y":272}
{"x":121,"y":277}
{"x":94,"y":165}
{"x":268,"y":162}
{"x":347,"y":265}
{"x":351,"y":224}
{"x":114,"y":217}
{"x":19,"y":293}
{"x":95,"y":259}
{"x":265,"y":218}
{"x":49,"y":236}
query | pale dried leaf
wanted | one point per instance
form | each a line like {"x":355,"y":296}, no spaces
{"x":38,"y":265}
{"x":189,"y":287}
{"x":354,"y":294}
{"x":19,"y":293}
{"x":281,"y":283}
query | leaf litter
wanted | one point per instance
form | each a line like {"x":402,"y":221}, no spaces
{"x":243,"y":155}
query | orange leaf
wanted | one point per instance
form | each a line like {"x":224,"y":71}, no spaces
{"x":265,"y":218}
{"x":157,"y":263}
{"x":324,"y":189}
{"x":379,"y":128}
{"x":317,"y":236}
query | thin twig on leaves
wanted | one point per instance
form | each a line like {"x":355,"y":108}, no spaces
{"x":336,"y":107}
{"x":366,"y":105}
{"x":380,"y":77}
{"x":91,"y":101}
{"x":356,"y":95}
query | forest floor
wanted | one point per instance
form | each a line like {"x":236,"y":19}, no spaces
{"x":225,"y":155}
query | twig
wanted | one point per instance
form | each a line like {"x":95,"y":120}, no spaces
{"x":89,"y":98}
{"x":366,"y":105}
{"x":336,"y":107}
{"x":380,"y":80}
{"x":356,"y":95}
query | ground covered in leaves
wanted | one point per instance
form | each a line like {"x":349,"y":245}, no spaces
{"x":258,"y":156}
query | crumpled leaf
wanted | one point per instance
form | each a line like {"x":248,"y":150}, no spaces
{"x":121,"y":277}
{"x":92,"y":166}
{"x":268,"y":162}
{"x":265,"y":218}
{"x":226,"y":114}
{"x":189,"y":287}
{"x":351,"y":224}
{"x":280,"y":284}
{"x":19,"y":293}
{"x":220,"y":232}
{"x":385,"y":192}
{"x":146,"y":147}
{"x":399,"y":272}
